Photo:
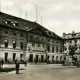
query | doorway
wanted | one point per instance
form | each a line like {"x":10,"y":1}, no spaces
{"x":31,"y":58}
{"x":42,"y":58}
{"x":37,"y":57}
{"x":14,"y":56}
{"x":6,"y":56}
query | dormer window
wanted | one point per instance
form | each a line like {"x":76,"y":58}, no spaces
{"x":8,"y":21}
{"x":49,"y":32}
{"x":16,"y":23}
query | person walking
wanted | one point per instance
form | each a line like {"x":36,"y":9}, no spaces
{"x":2,"y":62}
{"x":25,"y":63}
{"x":17,"y":67}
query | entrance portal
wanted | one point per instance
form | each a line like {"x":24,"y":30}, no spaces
{"x":14,"y":56}
{"x":37,"y":57}
{"x":6,"y":56}
{"x":42,"y":58}
{"x":31,"y":58}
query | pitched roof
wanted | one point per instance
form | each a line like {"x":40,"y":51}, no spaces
{"x":24,"y":24}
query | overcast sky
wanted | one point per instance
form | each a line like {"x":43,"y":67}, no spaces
{"x":57,"y":15}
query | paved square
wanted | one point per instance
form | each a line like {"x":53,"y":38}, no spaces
{"x":44,"y":72}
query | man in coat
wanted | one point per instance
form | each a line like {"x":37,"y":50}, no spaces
{"x":2,"y":62}
{"x":17,"y":67}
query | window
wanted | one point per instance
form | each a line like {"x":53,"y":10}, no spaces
{"x":31,"y":37}
{"x":52,"y":58}
{"x":61,"y":50}
{"x":6,"y":56}
{"x":6,"y":43}
{"x":60,"y":58}
{"x":48,"y":57}
{"x":48,"y":48}
{"x":14,"y":44}
{"x":21,"y":56}
{"x":37,"y":38}
{"x":42,"y":39}
{"x":53,"y":41}
{"x":48,"y":40}
{"x":57,"y":49}
{"x":70,"y":42}
{"x":43,"y":45}
{"x":6,"y":32}
{"x":14,"y":34}
{"x":75,"y":45}
{"x":33,"y":44}
{"x":56,"y":58}
{"x":16,"y":23}
{"x":21,"y":45}
{"x":38,"y":45}
{"x":52,"y":48}
{"x":21,"y":35}
{"x":75,"y":41}
{"x":64,"y":42}
{"x":8,"y":21}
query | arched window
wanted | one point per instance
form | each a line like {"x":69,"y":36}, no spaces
{"x":14,"y":44}
{"x":6,"y":43}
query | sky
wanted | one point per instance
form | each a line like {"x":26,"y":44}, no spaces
{"x":56,"y":15}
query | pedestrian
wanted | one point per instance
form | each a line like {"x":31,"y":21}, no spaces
{"x":25,"y":63}
{"x":16,"y":61}
{"x":2,"y":62}
{"x":63,"y":62}
{"x":17,"y":67}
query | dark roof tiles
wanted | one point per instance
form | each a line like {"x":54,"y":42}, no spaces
{"x":24,"y":24}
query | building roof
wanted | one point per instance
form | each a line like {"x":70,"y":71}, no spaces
{"x":23,"y":24}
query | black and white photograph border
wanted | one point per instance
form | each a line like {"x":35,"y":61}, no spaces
{"x":39,"y":39}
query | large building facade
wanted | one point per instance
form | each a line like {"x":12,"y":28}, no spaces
{"x":25,"y":40}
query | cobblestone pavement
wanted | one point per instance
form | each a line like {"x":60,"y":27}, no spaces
{"x":44,"y":72}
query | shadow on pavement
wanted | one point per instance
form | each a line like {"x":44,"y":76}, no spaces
{"x":8,"y":69}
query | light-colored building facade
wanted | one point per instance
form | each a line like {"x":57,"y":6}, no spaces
{"x":25,"y":40}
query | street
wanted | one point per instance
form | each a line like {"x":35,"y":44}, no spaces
{"x":44,"y":72}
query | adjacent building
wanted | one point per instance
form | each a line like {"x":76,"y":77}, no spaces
{"x":72,"y":39}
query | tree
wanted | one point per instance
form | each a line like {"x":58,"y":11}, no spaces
{"x":72,"y":50}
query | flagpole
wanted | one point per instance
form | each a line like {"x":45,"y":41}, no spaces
{"x":26,"y":15}
{"x":41,"y":20}
{"x":36,"y":13}
{"x":20,"y":12}
{"x":0,"y":5}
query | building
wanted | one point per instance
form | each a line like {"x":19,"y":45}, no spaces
{"x":72,"y":39}
{"x":25,"y":40}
